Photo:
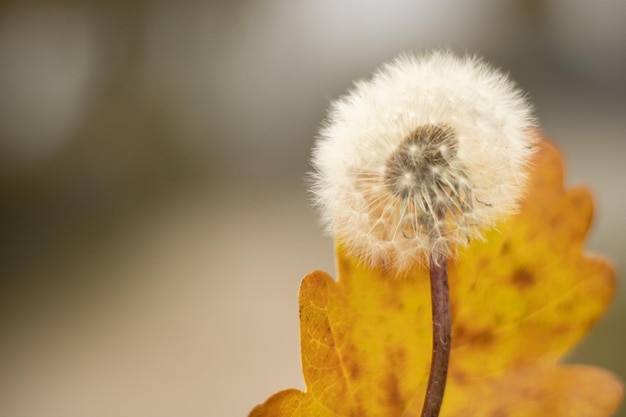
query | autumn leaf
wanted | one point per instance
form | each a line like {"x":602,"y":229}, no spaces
{"x":520,"y":300}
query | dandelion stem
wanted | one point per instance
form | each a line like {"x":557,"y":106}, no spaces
{"x":442,"y":326}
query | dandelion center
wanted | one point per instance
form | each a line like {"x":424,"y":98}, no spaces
{"x":424,"y":173}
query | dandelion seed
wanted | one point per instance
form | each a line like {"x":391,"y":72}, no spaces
{"x":422,"y":158}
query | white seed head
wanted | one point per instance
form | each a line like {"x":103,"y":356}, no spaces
{"x":420,"y":158}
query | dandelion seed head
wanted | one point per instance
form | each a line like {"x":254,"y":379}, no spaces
{"x":421,"y":158}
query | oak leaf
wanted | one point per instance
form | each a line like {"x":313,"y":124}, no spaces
{"x":520,"y":300}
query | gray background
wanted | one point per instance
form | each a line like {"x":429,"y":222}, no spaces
{"x":153,"y":219}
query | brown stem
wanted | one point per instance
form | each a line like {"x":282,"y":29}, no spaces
{"x":442,"y":328}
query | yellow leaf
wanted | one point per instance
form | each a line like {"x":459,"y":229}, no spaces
{"x":520,"y":300}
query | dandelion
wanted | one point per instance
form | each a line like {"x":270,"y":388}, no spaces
{"x":417,"y":161}
{"x":422,"y":158}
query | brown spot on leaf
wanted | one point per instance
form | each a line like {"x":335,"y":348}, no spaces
{"x":483,"y":263}
{"x":400,"y":356}
{"x":505,"y":248}
{"x":459,"y":377}
{"x":522,"y":279}
{"x":355,"y":370}
{"x":462,"y":335}
{"x":392,"y":394}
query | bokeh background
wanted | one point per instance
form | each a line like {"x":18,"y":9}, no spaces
{"x":154,"y":224}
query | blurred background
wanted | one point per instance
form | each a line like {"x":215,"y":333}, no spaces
{"x":154,"y":225}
